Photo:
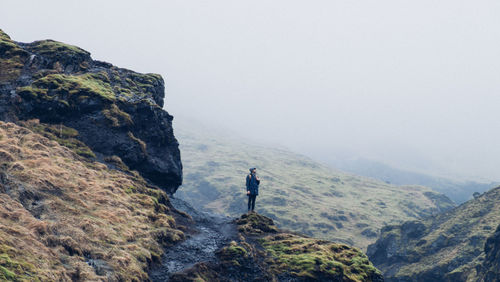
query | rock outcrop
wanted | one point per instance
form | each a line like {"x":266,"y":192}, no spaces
{"x":115,"y":112}
{"x":263,"y":252}
{"x":446,"y":247}
{"x":490,"y":270}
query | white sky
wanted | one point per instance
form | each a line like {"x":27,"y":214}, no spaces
{"x":412,"y":83}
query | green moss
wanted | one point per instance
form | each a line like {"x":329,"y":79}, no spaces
{"x":316,"y":259}
{"x":65,"y":87}
{"x":7,"y":274}
{"x":138,"y":141}
{"x":233,"y":254}
{"x":235,"y":250}
{"x":51,"y":47}
{"x":255,"y":223}
{"x":130,"y":190}
{"x":140,"y":83}
{"x":12,"y":58}
{"x":15,"y":270}
{"x":3,"y":35}
{"x":117,"y":117}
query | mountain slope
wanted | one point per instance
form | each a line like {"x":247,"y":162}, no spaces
{"x":446,"y":247}
{"x":490,"y":270}
{"x":296,"y":192}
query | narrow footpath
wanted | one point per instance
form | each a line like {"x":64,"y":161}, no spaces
{"x":212,"y":231}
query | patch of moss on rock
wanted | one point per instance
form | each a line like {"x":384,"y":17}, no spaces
{"x":117,"y":117}
{"x":263,"y":252}
{"x":49,"y":47}
{"x":141,"y":143}
{"x":58,"y":52}
{"x":316,"y":259}
{"x":65,"y":87}
{"x":12,"y":58}
{"x":253,"y":223}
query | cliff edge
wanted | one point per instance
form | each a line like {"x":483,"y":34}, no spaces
{"x":114,"y":111}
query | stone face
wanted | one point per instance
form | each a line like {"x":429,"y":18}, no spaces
{"x":490,"y":270}
{"x":115,"y":111}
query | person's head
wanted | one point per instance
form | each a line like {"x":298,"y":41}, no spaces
{"x":253,"y":170}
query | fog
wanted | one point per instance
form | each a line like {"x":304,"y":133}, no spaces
{"x":414,"y":84}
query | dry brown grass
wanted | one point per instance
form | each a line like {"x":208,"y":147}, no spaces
{"x":59,"y":212}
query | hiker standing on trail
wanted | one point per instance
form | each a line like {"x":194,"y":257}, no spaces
{"x":253,"y":182}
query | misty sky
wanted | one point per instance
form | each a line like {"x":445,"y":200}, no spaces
{"x":412,"y":83}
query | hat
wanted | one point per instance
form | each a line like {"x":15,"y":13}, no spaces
{"x":252,"y":169}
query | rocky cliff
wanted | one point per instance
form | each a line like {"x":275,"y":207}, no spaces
{"x":446,"y":247}
{"x":114,"y":111}
{"x":490,"y":270}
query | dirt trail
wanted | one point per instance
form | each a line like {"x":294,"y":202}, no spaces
{"x":212,"y":231}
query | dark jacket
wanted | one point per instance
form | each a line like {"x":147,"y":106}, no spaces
{"x":253,"y":184}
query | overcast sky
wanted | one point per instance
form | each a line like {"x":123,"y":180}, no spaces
{"x":412,"y":83}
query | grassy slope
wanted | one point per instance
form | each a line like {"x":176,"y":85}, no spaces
{"x":296,"y":192}
{"x":447,"y":247}
{"x":65,"y":217}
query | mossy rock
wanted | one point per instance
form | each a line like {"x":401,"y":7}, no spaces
{"x":317,"y":259}
{"x":64,"y":87}
{"x":264,"y":252}
{"x":12,"y":58}
{"x":59,"y":52}
{"x":254,"y":223}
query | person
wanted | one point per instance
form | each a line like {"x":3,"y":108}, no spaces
{"x":252,"y":183}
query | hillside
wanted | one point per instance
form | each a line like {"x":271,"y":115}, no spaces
{"x":66,"y":217}
{"x":296,"y":192}
{"x":446,"y":247}
{"x":88,"y":159}
{"x":458,"y":191}
{"x":490,"y":269}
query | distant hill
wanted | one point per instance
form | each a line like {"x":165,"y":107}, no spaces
{"x":446,"y":247}
{"x":458,"y":191}
{"x":297,"y":192}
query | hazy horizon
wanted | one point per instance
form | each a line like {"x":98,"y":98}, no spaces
{"x":411,"y":84}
